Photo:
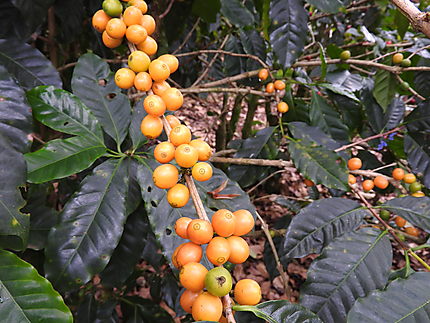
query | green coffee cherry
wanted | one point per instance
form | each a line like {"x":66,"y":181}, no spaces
{"x":406,"y":62}
{"x":415,"y":187}
{"x":385,"y":215}
{"x":346,"y":54}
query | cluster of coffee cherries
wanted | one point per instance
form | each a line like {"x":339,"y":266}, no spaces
{"x":203,"y":287}
{"x":398,"y":174}
{"x":271,"y":87}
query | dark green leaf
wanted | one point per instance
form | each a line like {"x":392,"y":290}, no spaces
{"x":315,"y":226}
{"x":417,"y":148}
{"x":288,"y":31}
{"x":34,"y":11}
{"x":348,"y":268}
{"x":141,"y":310}
{"x":280,"y":311}
{"x":394,"y":114}
{"x":206,"y":9}
{"x":61,"y":158}
{"x":414,"y":209}
{"x":422,"y":78}
{"x":163,"y":217}
{"x":234,"y":65}
{"x":236,"y":13}
{"x":89,"y":228}
{"x":404,"y":300}
{"x":253,"y":44}
{"x":25,"y":296}
{"x":402,"y":23}
{"x":94,"y":85}
{"x":419,"y":118}
{"x":69,"y":16}
{"x":339,"y":90}
{"x":91,"y":310}
{"x":62,"y":111}
{"x":323,"y":61}
{"x":385,"y":88}
{"x":15,"y":114}
{"x":346,"y":80}
{"x":11,"y":25}
{"x":373,"y":110}
{"x":323,"y":116}
{"x":137,"y":138}
{"x":128,"y":251}
{"x":331,"y":6}
{"x":319,"y":164}
{"x":29,"y":66}
{"x":14,"y":225}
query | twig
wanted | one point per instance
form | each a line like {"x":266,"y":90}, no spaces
{"x":419,"y":20}
{"x":224,"y":152}
{"x":251,"y":161}
{"x":410,"y":89}
{"x":421,"y":261}
{"x":190,"y":33}
{"x":231,"y":79}
{"x":279,"y":266}
{"x":264,"y":180}
{"x":164,"y":14}
{"x":368,"y":139}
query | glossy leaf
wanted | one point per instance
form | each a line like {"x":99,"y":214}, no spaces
{"x":316,"y":225}
{"x":373,"y":110}
{"x":319,"y":164}
{"x":62,"y":111}
{"x":140,"y":310}
{"x":26,"y":296}
{"x":91,"y":310}
{"x":413,"y":209}
{"x":14,"y":225}
{"x":346,"y":80}
{"x":417,"y":148}
{"x":348,"y":268}
{"x":61,"y":158}
{"x":206,"y":9}
{"x":236,"y":13}
{"x":419,"y":118}
{"x":385,"y":88}
{"x":137,"y":138}
{"x":288,"y":31}
{"x":15,"y":114}
{"x":339,"y":90}
{"x":234,"y":65}
{"x":279,"y":312}
{"x":93,"y":83}
{"x":253,"y":44}
{"x":90,"y":227}
{"x":330,"y":6}
{"x":163,"y":217}
{"x":404,"y":300}
{"x":11,"y":25}
{"x":422,"y":78}
{"x":35,"y":11}
{"x":394,"y":114}
{"x":323,"y":116}
{"x":29,"y":66}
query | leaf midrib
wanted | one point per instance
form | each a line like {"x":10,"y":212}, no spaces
{"x":415,"y":309}
{"x":22,"y":67}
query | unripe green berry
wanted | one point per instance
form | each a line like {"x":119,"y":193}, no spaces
{"x":346,"y":54}
{"x":415,"y":187}
{"x":385,"y":215}
{"x":405,"y":85}
{"x":406,"y":62}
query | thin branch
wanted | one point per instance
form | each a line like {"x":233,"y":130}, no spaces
{"x":224,"y":152}
{"x":190,"y":33}
{"x":279,"y":266}
{"x":250,"y":161}
{"x":164,"y":14}
{"x":231,"y":79}
{"x":419,"y":20}
{"x":264,"y":180}
{"x":410,"y":89}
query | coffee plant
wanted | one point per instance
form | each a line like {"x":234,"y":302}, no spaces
{"x":112,"y":210}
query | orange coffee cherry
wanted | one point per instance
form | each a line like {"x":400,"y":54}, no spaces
{"x":151,"y":127}
{"x":398,"y":174}
{"x":154,"y":105}
{"x":409,"y":178}
{"x":159,"y":87}
{"x":368,"y":185}
{"x":149,"y":46}
{"x":143,"y":81}
{"x":186,"y":156}
{"x":139,"y":4}
{"x":175,"y":253}
{"x":308,"y":182}
{"x":282,"y":107}
{"x":173,"y":99}
{"x":218,"y":251}
{"x":247,"y":292}
{"x":200,"y":231}
{"x":132,"y":16}
{"x":136,"y":34}
{"x":192,"y":276}
{"x":159,"y":70}
{"x":279,"y":85}
{"x":239,"y":250}
{"x":116,"y":28}
{"x":270,"y":87}
{"x":171,"y":61}
{"x":124,"y":78}
{"x":164,"y":152}
{"x":418,"y":194}
{"x":149,"y":23}
{"x":173,"y":121}
{"x":207,"y":307}
{"x":180,"y":135}
{"x":138,"y":61}
{"x":100,"y":20}
{"x":178,"y":195}
{"x":381,"y":182}
{"x":263,"y":74}
{"x":202,"y":171}
{"x":165,"y":176}
{"x":354,"y":163}
{"x":189,"y":252}
{"x":412,"y":231}
{"x":352,"y":179}
{"x":187,"y":299}
{"x":110,"y":42}
{"x":397,"y":58}
{"x":181,"y":226}
{"x":223,"y":222}
{"x":400,"y":222}
{"x":204,"y":150}
{"x":244,"y":222}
